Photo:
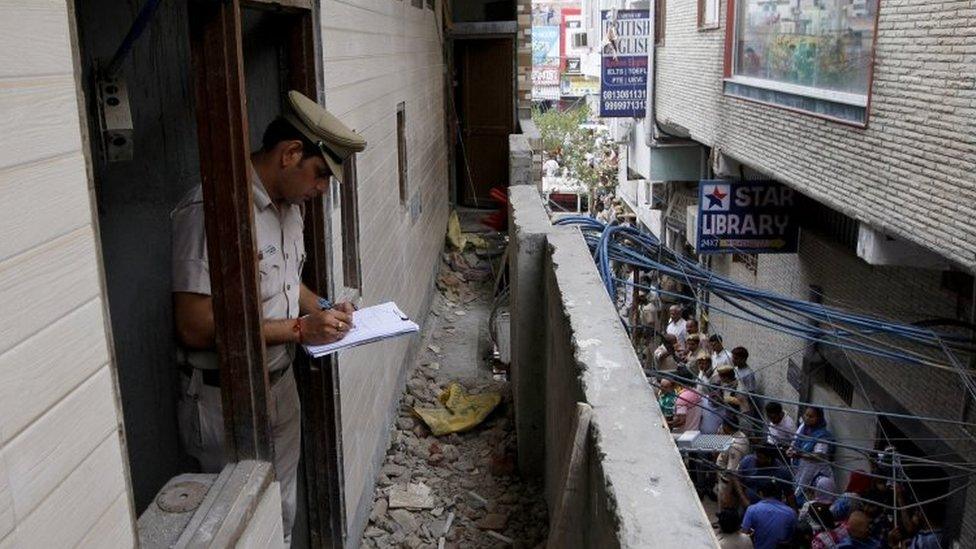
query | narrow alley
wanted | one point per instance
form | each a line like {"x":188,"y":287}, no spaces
{"x":460,"y":489}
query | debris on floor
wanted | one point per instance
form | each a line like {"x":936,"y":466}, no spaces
{"x":460,"y":489}
{"x":461,"y":412}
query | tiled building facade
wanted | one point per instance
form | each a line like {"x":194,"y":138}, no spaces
{"x":907,"y":172}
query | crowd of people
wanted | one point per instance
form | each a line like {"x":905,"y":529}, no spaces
{"x":774,"y":482}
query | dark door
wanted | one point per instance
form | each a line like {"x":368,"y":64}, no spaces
{"x":486,"y":116}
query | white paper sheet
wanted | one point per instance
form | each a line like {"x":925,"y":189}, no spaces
{"x":369,"y":324}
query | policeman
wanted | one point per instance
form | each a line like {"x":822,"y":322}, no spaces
{"x":299,"y":152}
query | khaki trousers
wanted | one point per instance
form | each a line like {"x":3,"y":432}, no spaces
{"x":202,"y":432}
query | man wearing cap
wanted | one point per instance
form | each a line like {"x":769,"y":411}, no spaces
{"x":300,"y":152}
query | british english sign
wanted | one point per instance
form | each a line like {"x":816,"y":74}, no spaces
{"x":623,"y":72}
{"x":746,"y":217}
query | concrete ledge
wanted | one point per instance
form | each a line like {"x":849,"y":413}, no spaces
{"x":639,"y":492}
{"x":519,"y":160}
{"x":528,"y":225}
{"x":240,"y":507}
{"x":531,"y":132}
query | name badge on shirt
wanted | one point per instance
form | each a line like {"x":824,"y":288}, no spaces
{"x":267,"y":251}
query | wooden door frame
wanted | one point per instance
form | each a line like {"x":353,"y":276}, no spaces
{"x":318,"y":377}
{"x":218,"y":63}
{"x":218,"y":76}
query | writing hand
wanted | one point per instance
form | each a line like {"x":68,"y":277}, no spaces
{"x":326,"y":326}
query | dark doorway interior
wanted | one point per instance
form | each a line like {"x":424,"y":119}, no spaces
{"x":485,"y":102}
{"x":135,"y":198}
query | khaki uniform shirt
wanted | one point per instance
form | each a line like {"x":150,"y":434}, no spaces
{"x":280,"y":252}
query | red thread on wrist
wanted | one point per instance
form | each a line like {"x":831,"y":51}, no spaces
{"x":298,"y":329}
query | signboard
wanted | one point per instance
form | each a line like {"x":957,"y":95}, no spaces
{"x":545,"y":56}
{"x":753,"y":217}
{"x":623,"y":73}
{"x":578,"y":86}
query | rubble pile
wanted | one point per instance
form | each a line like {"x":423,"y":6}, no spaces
{"x":459,"y":490}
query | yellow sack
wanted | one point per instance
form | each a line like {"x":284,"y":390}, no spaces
{"x":460,"y":240}
{"x":454,"y":235}
{"x":461,"y":412}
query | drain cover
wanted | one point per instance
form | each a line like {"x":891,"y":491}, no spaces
{"x":181,"y":497}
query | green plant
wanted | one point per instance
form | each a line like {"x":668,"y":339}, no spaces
{"x":557,"y":126}
{"x":585,"y":157}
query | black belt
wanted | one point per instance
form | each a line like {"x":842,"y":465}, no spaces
{"x":211,"y":378}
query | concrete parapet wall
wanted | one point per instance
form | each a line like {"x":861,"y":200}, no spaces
{"x":531,"y":132}
{"x":528,"y":224}
{"x":568,"y":346}
{"x":639,"y":493}
{"x":519,"y":160}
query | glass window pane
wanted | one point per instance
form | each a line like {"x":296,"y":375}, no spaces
{"x":823,"y":44}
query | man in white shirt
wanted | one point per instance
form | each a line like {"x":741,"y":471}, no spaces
{"x":664,"y":355}
{"x":781,"y":427}
{"x":551,"y":167}
{"x":720,"y":355}
{"x":677,"y":326}
{"x":743,"y":373}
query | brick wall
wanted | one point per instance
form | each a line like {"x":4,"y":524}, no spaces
{"x":911,"y":172}
{"x":378,"y":53}
{"x":523,"y":58}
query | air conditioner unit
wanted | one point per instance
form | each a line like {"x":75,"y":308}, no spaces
{"x":877,"y":248}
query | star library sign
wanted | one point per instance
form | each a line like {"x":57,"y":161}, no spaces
{"x":754,"y":217}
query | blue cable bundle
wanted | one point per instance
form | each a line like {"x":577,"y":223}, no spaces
{"x":813,"y":322}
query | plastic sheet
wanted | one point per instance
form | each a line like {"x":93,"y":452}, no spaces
{"x":461,"y":412}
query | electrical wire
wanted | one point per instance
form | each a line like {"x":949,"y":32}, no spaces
{"x":683,"y":381}
{"x":866,"y":451}
{"x":710,"y":467}
{"x":630,"y":246}
{"x":814,"y":322}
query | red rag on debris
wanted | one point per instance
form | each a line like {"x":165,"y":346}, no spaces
{"x":498,"y":220}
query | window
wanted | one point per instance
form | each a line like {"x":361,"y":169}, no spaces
{"x":660,"y":15}
{"x":402,"y":152}
{"x":579,"y":40}
{"x":417,"y":3}
{"x":349,"y":201}
{"x":837,"y":383}
{"x":430,"y":4}
{"x":814,"y":55}
{"x":708,"y":14}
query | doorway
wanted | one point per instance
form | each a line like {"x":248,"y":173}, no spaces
{"x":183,"y":91}
{"x":485,"y":102}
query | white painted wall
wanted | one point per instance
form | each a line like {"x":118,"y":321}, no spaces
{"x":63,"y":479}
{"x":378,"y":53}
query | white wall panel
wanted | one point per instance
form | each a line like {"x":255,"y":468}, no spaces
{"x":46,"y":367}
{"x":378,"y":53}
{"x":34,"y":38}
{"x":42,"y":200}
{"x":60,"y":450}
{"x":64,"y":518}
{"x":40,"y":457}
{"x":113,"y":529}
{"x":38,"y":118}
{"x":42,"y":285}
